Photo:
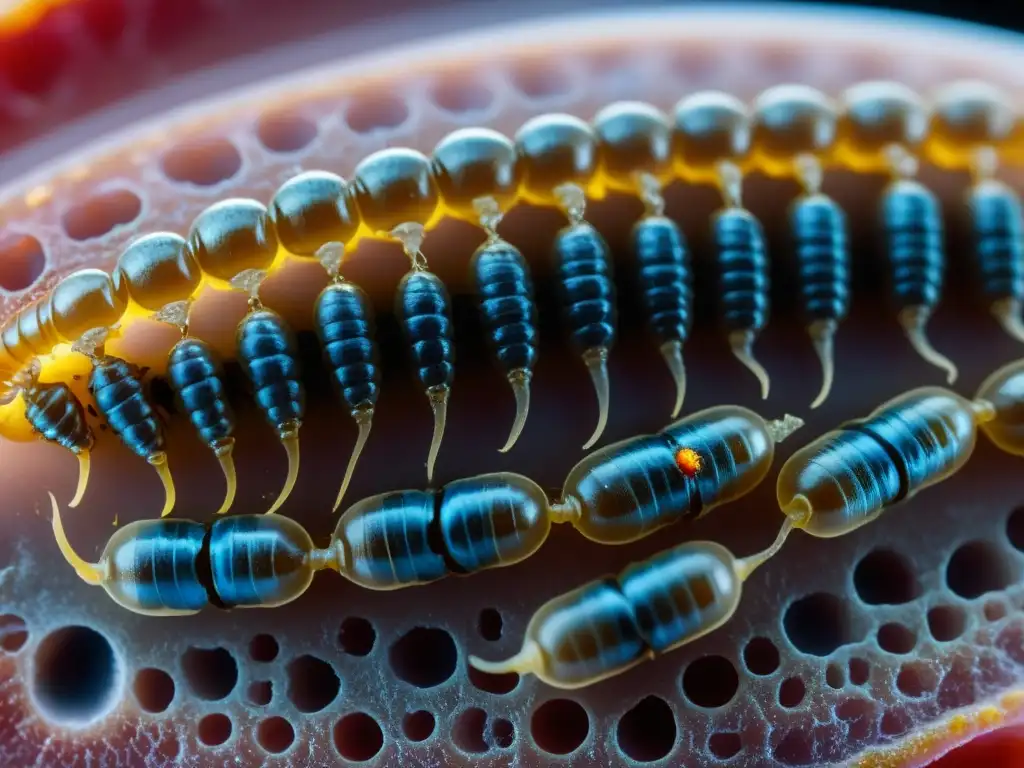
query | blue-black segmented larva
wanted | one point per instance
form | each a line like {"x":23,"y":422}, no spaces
{"x":606,"y":627}
{"x":557,"y":153}
{"x":477,"y":174}
{"x":998,"y":227}
{"x":424,"y":311}
{"x":121,"y":399}
{"x":195,"y":375}
{"x":823,"y":269}
{"x":268,"y":354}
{"x":913,"y":232}
{"x":743,"y":279}
{"x":849,"y":476}
{"x":57,"y":416}
{"x":395,"y":193}
{"x":509,"y":316}
{"x":666,"y":285}
{"x":625,"y":491}
{"x":345,"y":326}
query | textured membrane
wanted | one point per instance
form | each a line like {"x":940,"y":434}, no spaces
{"x":839,"y":646}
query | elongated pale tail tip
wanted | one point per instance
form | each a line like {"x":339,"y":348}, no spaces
{"x":1008,"y":313}
{"x":597,"y":365}
{"x":227,"y":466}
{"x":290,"y":442}
{"x":520,"y":382}
{"x":90,"y":573}
{"x":822,"y":336}
{"x":163,"y":471}
{"x":83,"y":478}
{"x":747,"y":565}
{"x":529,"y":661}
{"x":914,"y":322}
{"x":741,"y":343}
{"x":364,"y":419}
{"x":439,"y":405}
{"x":672,"y":351}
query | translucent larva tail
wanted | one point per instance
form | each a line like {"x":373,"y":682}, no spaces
{"x":439,"y":405}
{"x":520,"y":381}
{"x":83,"y":478}
{"x":1008,"y":313}
{"x":227,"y":465}
{"x":822,"y":335}
{"x":289,"y":435}
{"x":672,"y":351}
{"x":747,"y":565}
{"x":90,"y":573}
{"x":163,"y":471}
{"x":529,"y":661}
{"x":364,"y":420}
{"x":741,"y":343}
{"x":597,"y":365}
{"x":914,"y":321}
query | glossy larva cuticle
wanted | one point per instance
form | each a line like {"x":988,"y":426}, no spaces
{"x":652,"y":607}
{"x":158,"y":269}
{"x":625,"y":491}
{"x":268,"y":353}
{"x":850,"y":476}
{"x":311,"y":209}
{"x":232,"y":236}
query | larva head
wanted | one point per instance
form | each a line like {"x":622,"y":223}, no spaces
{"x":157,"y":269}
{"x":474,"y":163}
{"x":710,"y":127}
{"x":875,"y":116}
{"x":790,"y":121}
{"x":312,"y":209}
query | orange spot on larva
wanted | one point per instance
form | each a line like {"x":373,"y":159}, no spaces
{"x":688,"y":460}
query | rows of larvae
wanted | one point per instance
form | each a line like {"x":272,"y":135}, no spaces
{"x":618,"y":494}
{"x":477,"y":175}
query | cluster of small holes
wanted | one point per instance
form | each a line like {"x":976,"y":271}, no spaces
{"x":419,"y":725}
{"x":895,"y":638}
{"x":211,"y":673}
{"x":818,"y":624}
{"x":358,"y":737}
{"x":468,"y":731}
{"x":263,"y":648}
{"x":884,"y":577}
{"x":100,"y":214}
{"x":710,"y":681}
{"x":978,"y":567}
{"x":202,"y":162}
{"x":285,"y":131}
{"x":725,"y":746}
{"x":791,"y":692}
{"x":498,"y":684}
{"x":647,"y":732}
{"x":560,"y":726}
{"x":154,"y":689}
{"x":22,"y":261}
{"x":275,"y":734}
{"x":490,"y":624}
{"x":834,"y":676}
{"x":75,"y":675}
{"x":761,"y":656}
{"x":215,"y":729}
{"x":356,"y":636}
{"x":260,"y":693}
{"x":916,"y":679}
{"x":540,"y":80}
{"x":377,"y":111}
{"x":424,"y":657}
{"x":995,"y":610}
{"x":946,"y":622}
{"x":13,"y":633}
{"x":312,"y":684}
{"x":859,"y":671}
